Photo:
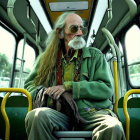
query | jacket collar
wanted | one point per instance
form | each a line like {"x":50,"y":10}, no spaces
{"x":86,"y":52}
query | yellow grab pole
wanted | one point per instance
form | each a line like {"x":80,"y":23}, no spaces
{"x":10,"y":90}
{"x":113,"y":46}
{"x":7,"y":131}
{"x":116,"y":87}
{"x":132,"y":91}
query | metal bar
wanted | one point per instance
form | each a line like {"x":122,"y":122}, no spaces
{"x":7,"y":131}
{"x":132,"y":91}
{"x":112,"y":45}
{"x":116,"y":88}
{"x":22,"y":62}
{"x":73,"y":134}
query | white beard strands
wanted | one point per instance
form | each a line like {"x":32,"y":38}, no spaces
{"x":77,"y":43}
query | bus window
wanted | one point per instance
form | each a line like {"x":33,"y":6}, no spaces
{"x":7,"y":47}
{"x":132,"y":43}
{"x":24,"y":63}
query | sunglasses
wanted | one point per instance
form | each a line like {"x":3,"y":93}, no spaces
{"x":74,"y":28}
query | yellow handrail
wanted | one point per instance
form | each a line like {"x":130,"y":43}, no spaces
{"x":132,"y":91}
{"x":10,"y":90}
{"x":116,"y":88}
{"x":113,"y":46}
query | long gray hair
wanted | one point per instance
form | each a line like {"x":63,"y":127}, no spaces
{"x":49,"y":57}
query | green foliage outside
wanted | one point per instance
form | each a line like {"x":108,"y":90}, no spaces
{"x":5,"y":66}
{"x":5,"y":72}
{"x":135,"y":69}
{"x":134,"y":72}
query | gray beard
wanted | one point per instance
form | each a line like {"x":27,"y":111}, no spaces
{"x":77,"y":43}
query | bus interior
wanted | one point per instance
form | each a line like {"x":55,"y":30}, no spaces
{"x":113,"y":28}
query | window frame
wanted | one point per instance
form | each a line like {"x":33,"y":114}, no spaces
{"x":18,"y":37}
{"x":126,"y":65}
{"x":21,"y":60}
{"x":5,"y":27}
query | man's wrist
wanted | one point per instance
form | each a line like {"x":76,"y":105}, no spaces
{"x":68,"y":85}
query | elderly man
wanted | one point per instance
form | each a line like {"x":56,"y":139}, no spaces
{"x":67,"y":72}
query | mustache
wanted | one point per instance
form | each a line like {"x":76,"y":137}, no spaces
{"x":77,"y":38}
{"x":77,"y":43}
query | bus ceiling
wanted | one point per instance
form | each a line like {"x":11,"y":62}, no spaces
{"x":36,"y":18}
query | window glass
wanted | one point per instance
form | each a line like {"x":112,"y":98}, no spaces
{"x":24,"y":63}
{"x":7,"y":48}
{"x":132,"y":43}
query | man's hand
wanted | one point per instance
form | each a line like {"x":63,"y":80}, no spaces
{"x":55,"y":92}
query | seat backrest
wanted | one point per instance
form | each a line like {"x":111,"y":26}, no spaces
{"x":16,"y":109}
{"x":133,"y":106}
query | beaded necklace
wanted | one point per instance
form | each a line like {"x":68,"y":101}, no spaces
{"x":77,"y":67}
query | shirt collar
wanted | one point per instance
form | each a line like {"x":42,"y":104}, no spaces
{"x":74,"y":56}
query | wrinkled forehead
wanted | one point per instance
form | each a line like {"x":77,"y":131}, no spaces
{"x":73,"y":19}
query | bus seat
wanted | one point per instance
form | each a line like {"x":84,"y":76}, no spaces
{"x":133,"y":107}
{"x":16,"y":109}
{"x":13,"y":112}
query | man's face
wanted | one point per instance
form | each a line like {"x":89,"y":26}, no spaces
{"x":74,"y":31}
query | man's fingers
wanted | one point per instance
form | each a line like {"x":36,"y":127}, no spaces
{"x":55,"y":91}
{"x":58,"y":94}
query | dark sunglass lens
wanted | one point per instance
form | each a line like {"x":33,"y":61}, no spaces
{"x":73,"y":28}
